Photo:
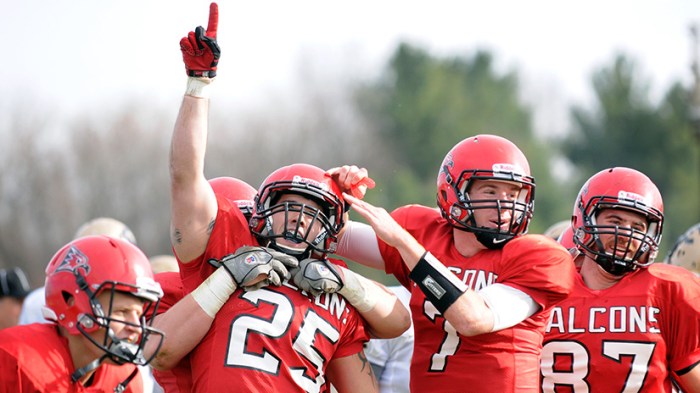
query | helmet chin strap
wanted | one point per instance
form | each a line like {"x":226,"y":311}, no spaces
{"x":608,"y":264}
{"x":81,"y":372}
{"x":492,"y":241}
{"x":122,"y":386}
{"x":92,"y":366}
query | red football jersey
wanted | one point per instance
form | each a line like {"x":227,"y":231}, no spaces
{"x":230,"y":232}
{"x":503,"y":361}
{"x":179,"y":378}
{"x":35,"y":358}
{"x":275,"y":339}
{"x":626,"y":338}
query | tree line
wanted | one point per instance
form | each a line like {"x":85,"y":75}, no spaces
{"x":56,"y":174}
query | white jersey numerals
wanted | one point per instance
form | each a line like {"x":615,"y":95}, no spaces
{"x":578,"y":355}
{"x":450,"y":341}
{"x":246,"y":325}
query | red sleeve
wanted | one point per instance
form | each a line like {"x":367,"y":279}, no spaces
{"x":11,"y":376}
{"x":682,"y":328}
{"x":539,"y":267}
{"x":230,"y":232}
{"x":173,"y":290}
{"x":417,"y":220}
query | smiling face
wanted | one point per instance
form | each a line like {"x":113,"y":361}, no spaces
{"x":625,"y":234}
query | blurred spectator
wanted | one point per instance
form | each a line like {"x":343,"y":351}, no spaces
{"x":106,"y":226}
{"x":14,"y":287}
{"x":164,"y":263}
{"x":391,"y":358}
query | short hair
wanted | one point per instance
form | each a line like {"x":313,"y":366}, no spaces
{"x":106,"y":226}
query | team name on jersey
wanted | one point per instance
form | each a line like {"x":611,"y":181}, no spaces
{"x":612,"y":319}
{"x":335,"y":304}
{"x":474,"y":279}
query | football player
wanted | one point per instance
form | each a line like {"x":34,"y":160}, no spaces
{"x":97,"y":290}
{"x":686,"y":250}
{"x":630,"y":324}
{"x":108,"y":226}
{"x":272,"y":336}
{"x":481,"y":289}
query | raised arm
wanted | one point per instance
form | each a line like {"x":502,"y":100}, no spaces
{"x":193,"y":204}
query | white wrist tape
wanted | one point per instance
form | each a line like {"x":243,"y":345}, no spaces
{"x":214,"y":291}
{"x":359,"y":291}
{"x":198,"y":87}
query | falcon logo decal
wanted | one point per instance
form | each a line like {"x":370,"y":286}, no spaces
{"x":73,"y":261}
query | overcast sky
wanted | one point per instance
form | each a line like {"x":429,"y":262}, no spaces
{"x":76,"y":53}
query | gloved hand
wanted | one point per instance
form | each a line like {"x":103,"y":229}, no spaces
{"x":200,"y":50}
{"x":249,"y":262}
{"x":317,"y":276}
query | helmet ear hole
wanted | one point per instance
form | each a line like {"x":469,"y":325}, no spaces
{"x":68,"y":298}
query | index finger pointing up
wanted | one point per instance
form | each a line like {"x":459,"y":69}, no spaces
{"x":213,"y":20}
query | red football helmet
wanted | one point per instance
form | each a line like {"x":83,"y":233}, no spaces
{"x":87,"y":267}
{"x":238,"y":191}
{"x":308,"y":181}
{"x":485,"y":157}
{"x":618,"y":188}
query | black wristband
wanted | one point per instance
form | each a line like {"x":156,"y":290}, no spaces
{"x":440,"y":286}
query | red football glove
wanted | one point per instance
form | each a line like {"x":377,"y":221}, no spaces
{"x":200,"y":50}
